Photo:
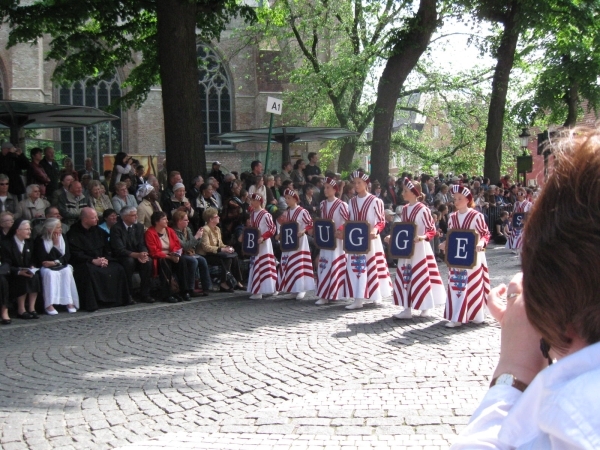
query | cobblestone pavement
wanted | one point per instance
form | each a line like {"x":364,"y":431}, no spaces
{"x":234,"y":373}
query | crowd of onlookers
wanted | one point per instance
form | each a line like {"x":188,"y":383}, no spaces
{"x":78,"y":237}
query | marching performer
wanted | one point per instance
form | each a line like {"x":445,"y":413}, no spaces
{"x":296,"y":269}
{"x":468,"y":288}
{"x":522,"y":205}
{"x":418,"y":284}
{"x":263,"y":267}
{"x":367,"y":276}
{"x":331,"y":271}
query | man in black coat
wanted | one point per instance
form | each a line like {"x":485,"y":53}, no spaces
{"x":129,"y":247}
{"x":12,"y":164}
{"x":52,"y":170}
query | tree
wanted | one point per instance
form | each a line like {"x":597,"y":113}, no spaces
{"x":91,"y":38}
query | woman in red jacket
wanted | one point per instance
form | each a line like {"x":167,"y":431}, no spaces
{"x":165,"y":250}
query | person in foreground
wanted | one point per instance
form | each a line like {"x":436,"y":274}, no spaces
{"x":551,"y":315}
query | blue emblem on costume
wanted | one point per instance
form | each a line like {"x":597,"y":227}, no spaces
{"x":359,"y":264}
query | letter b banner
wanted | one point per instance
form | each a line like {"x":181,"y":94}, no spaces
{"x":402,"y":244}
{"x":356,"y":237}
{"x":250,"y":241}
{"x":288,"y":233}
{"x":461,"y":248}
{"x":324,"y":234}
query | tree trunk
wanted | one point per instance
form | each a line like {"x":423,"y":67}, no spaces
{"x":506,"y":58}
{"x":176,"y":26}
{"x":346,"y":155}
{"x":406,"y":53}
{"x":572,"y":100}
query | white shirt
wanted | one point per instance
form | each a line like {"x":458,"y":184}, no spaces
{"x":20,"y":244}
{"x":559,"y":410}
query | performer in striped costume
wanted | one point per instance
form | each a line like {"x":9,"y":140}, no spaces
{"x":296,"y":270}
{"x":468,"y":289}
{"x":418,"y":284}
{"x":522,"y":205}
{"x":368,"y":276}
{"x":331,"y":271}
{"x":263,"y":267}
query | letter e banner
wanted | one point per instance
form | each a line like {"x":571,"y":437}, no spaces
{"x":250,"y":241}
{"x":402,"y":244}
{"x":288,"y":235}
{"x":461,"y":248}
{"x":324,"y":234}
{"x":356,"y":237}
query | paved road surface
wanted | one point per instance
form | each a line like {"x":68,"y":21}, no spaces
{"x":234,"y":373}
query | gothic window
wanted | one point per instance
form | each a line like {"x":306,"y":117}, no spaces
{"x":1,"y":88}
{"x":215,"y":94}
{"x":94,"y":141}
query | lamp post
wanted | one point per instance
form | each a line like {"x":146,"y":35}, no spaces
{"x":524,"y":141}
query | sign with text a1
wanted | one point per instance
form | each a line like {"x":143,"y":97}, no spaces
{"x":461,"y":248}
{"x":274,"y":105}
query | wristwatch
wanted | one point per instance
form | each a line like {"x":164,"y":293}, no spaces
{"x":508,"y":379}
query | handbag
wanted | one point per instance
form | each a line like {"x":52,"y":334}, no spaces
{"x":227,"y":255}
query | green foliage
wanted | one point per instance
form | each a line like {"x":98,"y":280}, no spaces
{"x":91,"y":38}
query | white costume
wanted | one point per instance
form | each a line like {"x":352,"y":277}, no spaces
{"x":368,"y":276}
{"x":263,"y":267}
{"x":559,"y":410}
{"x":331,"y":272}
{"x":418,"y":284}
{"x":468,"y":289}
{"x":58,"y":285}
{"x":296,"y":270}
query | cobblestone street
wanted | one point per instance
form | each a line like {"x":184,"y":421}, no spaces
{"x":229,"y":372}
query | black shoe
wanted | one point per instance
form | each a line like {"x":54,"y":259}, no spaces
{"x":222,"y":289}
{"x":6,"y":321}
{"x":24,"y":316}
{"x":171,"y":300}
{"x":186,"y":297}
{"x":34,"y":315}
{"x":148,"y":299}
{"x":178,"y":298}
{"x":130,"y":301}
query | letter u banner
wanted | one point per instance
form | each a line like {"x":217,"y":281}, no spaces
{"x":250,"y":241}
{"x":324,"y":234}
{"x":402,"y":244}
{"x":356,"y":237}
{"x":461,"y":248}
{"x":288,"y":233}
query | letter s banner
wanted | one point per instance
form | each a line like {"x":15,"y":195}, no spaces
{"x":461,"y":248}
{"x":356,"y":237}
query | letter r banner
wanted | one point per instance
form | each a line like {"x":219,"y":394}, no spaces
{"x":461,"y":248}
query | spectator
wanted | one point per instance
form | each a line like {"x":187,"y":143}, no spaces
{"x":100,"y":280}
{"x":348,"y":193}
{"x":12,"y":163}
{"x":286,"y":169}
{"x":97,"y":200}
{"x":121,"y":168}
{"x":178,"y":202}
{"x":24,"y":280}
{"x":33,"y":207}
{"x":215,"y":192}
{"x":194,"y":191}
{"x":297,"y":174}
{"x":312,"y":172}
{"x":69,"y":169}
{"x":106,"y":182}
{"x":71,"y":204}
{"x":219,"y":254}
{"x":271,"y":192}
{"x":8,"y":201}
{"x":216,"y":172}
{"x":167,"y":193}
{"x":109,"y":219}
{"x":309,"y":202}
{"x":128,"y":245}
{"x":189,"y":242}
{"x":51,"y":252}
{"x":500,"y":231}
{"x":65,"y":182}
{"x":36,"y":173}
{"x":89,"y":170}
{"x":51,"y":168}
{"x":7,"y":219}
{"x":232,"y":212}
{"x":122,"y":197}
{"x":258,"y":187}
{"x":137,"y":180}
{"x":4,"y":294}
{"x":51,"y":212}
{"x":165,"y":251}
{"x":204,"y":201}
{"x":148,"y":197}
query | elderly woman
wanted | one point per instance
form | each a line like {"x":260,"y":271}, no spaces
{"x":122,"y":197}
{"x":166,"y":251}
{"x":51,"y":252}
{"x":190,"y":241}
{"x":219,"y":254}
{"x":109,"y":219}
{"x":68,"y":169}
{"x":147,"y":195}
{"x":98,"y":199}
{"x":24,"y":280}
{"x":7,"y":219}
{"x":545,"y":389}
{"x":33,"y":207}
{"x":178,"y":202}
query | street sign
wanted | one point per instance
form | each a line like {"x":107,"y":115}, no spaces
{"x":274,"y":105}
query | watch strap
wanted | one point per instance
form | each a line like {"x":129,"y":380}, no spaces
{"x":515,"y":383}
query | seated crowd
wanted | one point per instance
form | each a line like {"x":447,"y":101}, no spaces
{"x":79,"y":241}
